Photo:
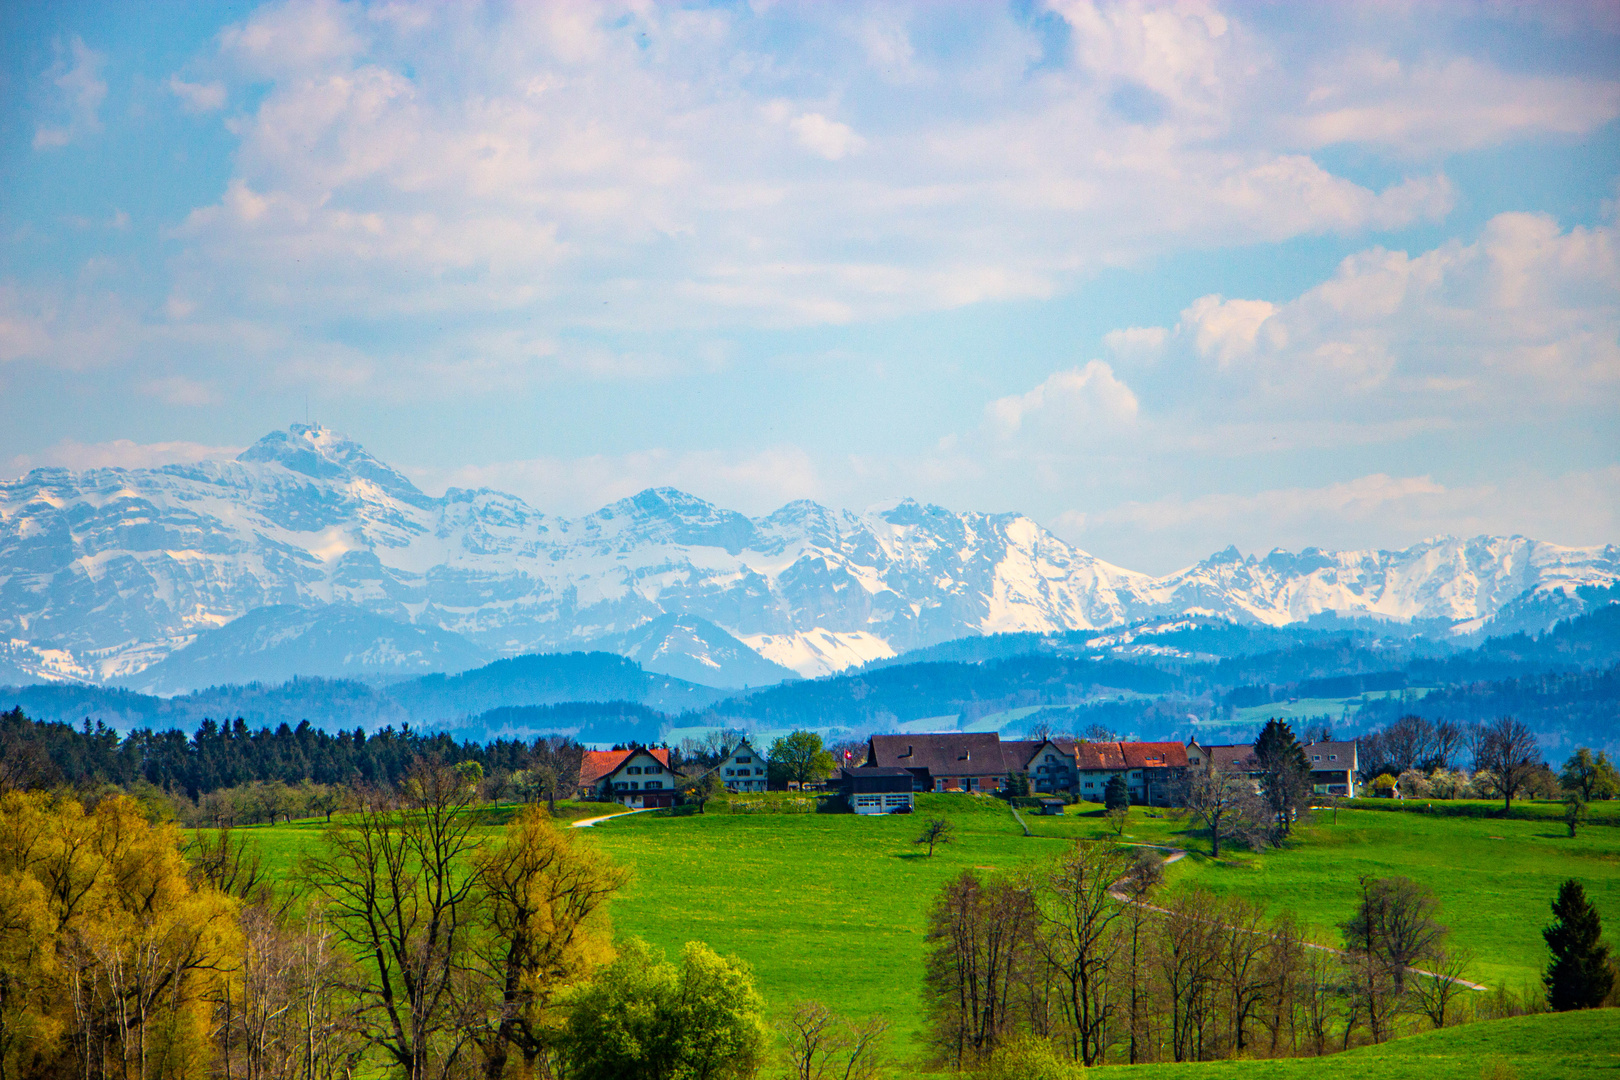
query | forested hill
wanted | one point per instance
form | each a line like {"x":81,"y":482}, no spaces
{"x":1152,"y":684}
{"x":438,"y":700}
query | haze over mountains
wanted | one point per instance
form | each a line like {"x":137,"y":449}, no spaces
{"x":336,"y":564}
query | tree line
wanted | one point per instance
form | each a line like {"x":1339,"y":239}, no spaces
{"x":418,"y":938}
{"x":1082,"y":962}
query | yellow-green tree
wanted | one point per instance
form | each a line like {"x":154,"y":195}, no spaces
{"x":110,"y":957}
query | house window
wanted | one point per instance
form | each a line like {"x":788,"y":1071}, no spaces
{"x":634,"y":770}
{"x":1333,"y":757}
{"x":1316,"y":757}
{"x":620,"y":786}
{"x":1088,"y":783}
{"x":759,"y":772}
{"x":744,"y":760}
{"x":655,"y":783}
{"x":729,"y":772}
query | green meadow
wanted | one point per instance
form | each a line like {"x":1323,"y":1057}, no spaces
{"x":833,"y":907}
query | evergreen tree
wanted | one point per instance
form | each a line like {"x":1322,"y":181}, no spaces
{"x":1579,"y":976}
{"x":1117,"y":794}
{"x":1285,"y":774}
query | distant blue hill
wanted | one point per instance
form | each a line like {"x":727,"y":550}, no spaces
{"x":280,"y":642}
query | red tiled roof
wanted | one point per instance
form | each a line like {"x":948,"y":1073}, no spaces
{"x":1154,"y":755}
{"x":597,"y":764}
{"x":1132,"y":755}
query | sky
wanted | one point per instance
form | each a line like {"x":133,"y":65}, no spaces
{"x":1164,"y":277}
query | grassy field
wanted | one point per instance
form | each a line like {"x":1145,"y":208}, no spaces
{"x":833,"y":907}
{"x":1564,"y":1046}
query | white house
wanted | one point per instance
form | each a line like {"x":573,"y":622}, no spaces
{"x":639,"y":776}
{"x":743,"y":769}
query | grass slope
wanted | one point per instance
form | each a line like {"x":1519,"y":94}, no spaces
{"x":834,"y":907}
{"x":1556,"y":1046}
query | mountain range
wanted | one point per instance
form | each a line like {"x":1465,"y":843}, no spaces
{"x":308,"y":555}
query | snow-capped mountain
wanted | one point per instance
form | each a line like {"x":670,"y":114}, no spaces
{"x":106,"y":572}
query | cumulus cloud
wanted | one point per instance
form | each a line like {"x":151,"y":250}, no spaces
{"x":76,"y":75}
{"x":628,"y":166}
{"x":1526,"y":312}
{"x":1070,"y":405}
{"x":1581,"y":507}
{"x":828,"y":138}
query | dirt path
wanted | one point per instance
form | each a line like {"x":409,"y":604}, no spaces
{"x":585,"y":823}
{"x":1177,"y":854}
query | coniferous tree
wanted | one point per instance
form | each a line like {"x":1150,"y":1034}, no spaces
{"x":1285,"y":775}
{"x":1579,"y":976}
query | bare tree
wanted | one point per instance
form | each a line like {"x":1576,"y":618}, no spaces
{"x":1079,"y":940}
{"x":1507,"y":752}
{"x":1146,"y":874}
{"x":1395,"y":924}
{"x":981,"y":937}
{"x":821,"y":1045}
{"x":1240,"y":961}
{"x":401,"y":898}
{"x":1227,"y":805}
{"x":935,"y":831}
{"x":1436,"y":992}
{"x":1187,"y":948}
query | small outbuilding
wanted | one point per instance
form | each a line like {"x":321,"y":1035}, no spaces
{"x":876,"y":789}
{"x":1051,"y":807}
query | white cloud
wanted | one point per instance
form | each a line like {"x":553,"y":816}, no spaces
{"x":1070,"y":405}
{"x":81,"y":89}
{"x":633,"y":155}
{"x":119,"y":454}
{"x":1377,"y":510}
{"x":828,"y":138}
{"x":1525,"y":313}
{"x":198,"y":97}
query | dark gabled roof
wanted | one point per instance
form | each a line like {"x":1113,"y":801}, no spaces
{"x":875,"y":770}
{"x":1236,"y":756}
{"x":1016,"y":754}
{"x":949,"y":754}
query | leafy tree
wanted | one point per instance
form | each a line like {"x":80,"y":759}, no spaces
{"x":1506,"y":751}
{"x":800,"y":758}
{"x":1118,"y":817}
{"x":644,"y":1016}
{"x":1579,"y":976}
{"x":935,"y":831}
{"x":1591,"y":776}
{"x":1116,"y":793}
{"x":544,"y":907}
{"x":700,"y":789}
{"x":1574,"y":812}
{"x":1285,"y":774}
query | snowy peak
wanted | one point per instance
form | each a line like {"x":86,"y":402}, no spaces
{"x":322,"y":454}
{"x":105,"y":573}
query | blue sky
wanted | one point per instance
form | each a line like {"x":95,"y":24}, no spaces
{"x":1164,"y":277}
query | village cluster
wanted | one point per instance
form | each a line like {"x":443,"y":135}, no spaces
{"x":896,"y":767}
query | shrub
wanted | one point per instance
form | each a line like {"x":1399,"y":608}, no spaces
{"x":1025,"y":1057}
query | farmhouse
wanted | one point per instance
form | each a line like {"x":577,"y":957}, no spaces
{"x":1333,"y":764}
{"x":952,"y":761}
{"x":877,"y":790}
{"x":638,"y":777}
{"x":743,"y":769}
{"x":981,"y":761}
{"x":1151,"y":770}
{"x":1333,"y":768}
